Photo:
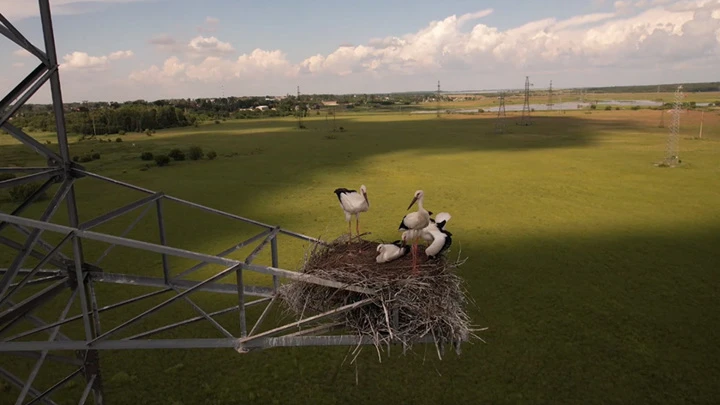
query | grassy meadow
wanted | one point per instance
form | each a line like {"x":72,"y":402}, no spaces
{"x":595,"y":272}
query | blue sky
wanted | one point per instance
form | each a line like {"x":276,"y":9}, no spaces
{"x":131,"y":49}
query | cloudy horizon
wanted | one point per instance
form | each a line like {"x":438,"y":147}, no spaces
{"x":118,"y":50}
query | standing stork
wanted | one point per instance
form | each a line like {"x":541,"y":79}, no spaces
{"x":414,"y":222}
{"x":353,"y":203}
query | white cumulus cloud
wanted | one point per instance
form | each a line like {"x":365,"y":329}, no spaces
{"x":209,"y":45}
{"x":83,"y":61}
{"x":259,"y":63}
{"x":649,"y":35}
{"x":636,"y":41}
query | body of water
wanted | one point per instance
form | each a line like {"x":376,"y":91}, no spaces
{"x":559,"y":106}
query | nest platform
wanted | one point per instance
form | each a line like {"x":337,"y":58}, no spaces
{"x":427,"y":306}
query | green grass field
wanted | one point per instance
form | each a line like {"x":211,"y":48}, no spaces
{"x":595,"y":271}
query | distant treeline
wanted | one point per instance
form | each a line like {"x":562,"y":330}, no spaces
{"x":107,"y":120}
{"x":100,"y":118}
{"x":687,"y":87}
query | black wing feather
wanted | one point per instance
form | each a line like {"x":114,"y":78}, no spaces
{"x":342,"y":190}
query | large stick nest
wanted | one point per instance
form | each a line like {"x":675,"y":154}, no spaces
{"x":407,"y":306}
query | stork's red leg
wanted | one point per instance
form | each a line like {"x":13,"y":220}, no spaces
{"x":415,"y":253}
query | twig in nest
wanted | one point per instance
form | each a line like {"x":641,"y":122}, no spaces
{"x":406,"y":307}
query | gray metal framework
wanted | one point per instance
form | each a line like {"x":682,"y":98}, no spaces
{"x":438,"y":99}
{"x":26,"y":335}
{"x":525,"y":117}
{"x":500,"y":123}
{"x":672,"y":152}
{"x":550,"y":102}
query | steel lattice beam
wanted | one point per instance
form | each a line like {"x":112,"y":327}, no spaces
{"x":74,"y":274}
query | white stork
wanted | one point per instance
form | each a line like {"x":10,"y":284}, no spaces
{"x":353,"y":203}
{"x":391,"y":251}
{"x":442,"y":240}
{"x":414,"y":223}
{"x":436,"y":225}
{"x":434,"y":234}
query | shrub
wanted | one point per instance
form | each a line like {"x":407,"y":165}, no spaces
{"x":177,"y":154}
{"x":121,"y":132}
{"x":617,"y":108}
{"x":162,"y":160}
{"x":635,"y":107}
{"x":195,"y":153}
{"x":146,"y":156}
{"x":608,"y":107}
{"x":85,"y":158}
{"x":118,"y":139}
{"x":148,"y":132}
{"x":211,"y":155}
{"x":593,"y":106}
{"x":95,"y":156}
{"x":217,"y":122}
{"x":21,"y":192}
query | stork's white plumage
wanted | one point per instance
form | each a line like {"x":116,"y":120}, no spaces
{"x":414,"y":222}
{"x":442,"y":240}
{"x":441,"y":219}
{"x":391,"y":251}
{"x":435,"y":226}
{"x":353,"y":203}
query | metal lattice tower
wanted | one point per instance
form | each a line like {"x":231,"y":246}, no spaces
{"x":438,"y":99}
{"x":500,"y":121}
{"x":672,"y":152}
{"x":550,"y":97}
{"x":661,"y":124}
{"x":62,"y":277}
{"x":525,"y":117}
{"x":299,"y":110}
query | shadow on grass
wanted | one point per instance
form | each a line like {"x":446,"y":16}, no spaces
{"x":388,"y":134}
{"x":587,"y":318}
{"x":573,"y":318}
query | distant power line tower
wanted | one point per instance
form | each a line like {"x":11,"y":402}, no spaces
{"x":299,"y":110}
{"x":525,"y":117}
{"x":550,"y":97}
{"x":672,"y":157}
{"x":438,"y":99}
{"x":500,"y":121}
{"x":661,"y":124}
